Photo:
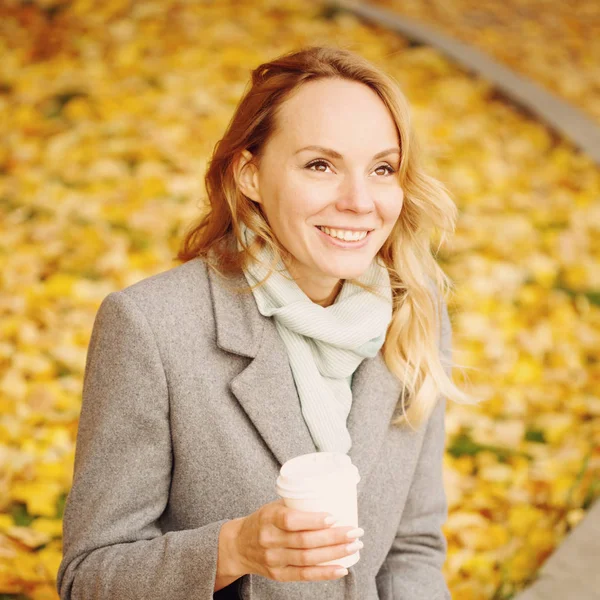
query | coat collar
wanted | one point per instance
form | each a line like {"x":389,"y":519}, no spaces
{"x":266,"y":388}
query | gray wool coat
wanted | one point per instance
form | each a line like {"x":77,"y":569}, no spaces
{"x":189,"y":410}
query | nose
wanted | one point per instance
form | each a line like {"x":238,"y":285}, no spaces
{"x":356,"y":196}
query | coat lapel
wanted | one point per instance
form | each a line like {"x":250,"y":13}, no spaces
{"x":375,"y":392}
{"x":267,"y":392}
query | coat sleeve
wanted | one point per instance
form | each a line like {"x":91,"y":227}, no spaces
{"x":419,"y":549}
{"x":113,"y":546}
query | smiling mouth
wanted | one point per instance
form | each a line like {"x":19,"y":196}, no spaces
{"x":345,"y":235}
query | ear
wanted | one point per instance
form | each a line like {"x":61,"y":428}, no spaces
{"x":246,"y":176}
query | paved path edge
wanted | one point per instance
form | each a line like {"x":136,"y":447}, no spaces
{"x":572,"y":572}
{"x":558,"y":114}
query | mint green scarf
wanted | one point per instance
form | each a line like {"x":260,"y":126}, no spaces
{"x":325,"y":345}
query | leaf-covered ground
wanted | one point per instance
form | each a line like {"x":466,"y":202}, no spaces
{"x":109,"y":112}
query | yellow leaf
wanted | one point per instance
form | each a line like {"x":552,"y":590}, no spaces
{"x":59,"y":285}
{"x":522,"y":518}
{"x":28,"y":568}
{"x":39,"y":496}
{"x":480,"y":566}
{"x":527,"y":371}
{"x":542,"y":541}
{"x":488,"y":538}
{"x":78,"y":109}
{"x":6,"y":521}
{"x":575,"y":516}
{"x":521,"y":565}
{"x":51,"y":527}
{"x":28,"y":536}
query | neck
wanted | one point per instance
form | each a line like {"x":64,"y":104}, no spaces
{"x":319,"y":292}
{"x":330,"y":299}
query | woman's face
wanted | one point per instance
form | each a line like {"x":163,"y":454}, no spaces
{"x":348,"y":184}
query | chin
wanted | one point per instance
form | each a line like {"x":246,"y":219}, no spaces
{"x":353,"y":272}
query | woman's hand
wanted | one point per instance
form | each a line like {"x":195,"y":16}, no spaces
{"x":285,"y":544}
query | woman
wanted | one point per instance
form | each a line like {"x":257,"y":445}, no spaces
{"x":196,"y":393}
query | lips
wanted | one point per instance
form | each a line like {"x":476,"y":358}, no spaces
{"x":367,"y":229}
{"x":343,"y":243}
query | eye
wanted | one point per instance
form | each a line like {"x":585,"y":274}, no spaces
{"x":390,"y":169}
{"x":315,"y":163}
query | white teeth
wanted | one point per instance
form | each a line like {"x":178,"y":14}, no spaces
{"x":348,"y":236}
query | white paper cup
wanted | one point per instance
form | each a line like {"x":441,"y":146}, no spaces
{"x":322,"y":482}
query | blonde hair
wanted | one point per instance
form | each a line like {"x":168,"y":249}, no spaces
{"x":410,"y":350}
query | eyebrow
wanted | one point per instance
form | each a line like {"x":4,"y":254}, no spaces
{"x":335,"y":154}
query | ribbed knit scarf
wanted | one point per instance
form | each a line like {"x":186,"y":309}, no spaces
{"x":325,"y":345}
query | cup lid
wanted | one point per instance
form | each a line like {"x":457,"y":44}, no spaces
{"x":302,"y":475}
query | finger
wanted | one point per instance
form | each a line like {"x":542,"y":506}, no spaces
{"x":314,"y":556}
{"x":291,"y":519}
{"x":315,"y":573}
{"x":317,"y":538}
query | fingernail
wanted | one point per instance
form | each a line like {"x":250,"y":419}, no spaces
{"x":329,"y":520}
{"x":354,"y":533}
{"x":339,"y":572}
{"x":354,"y":546}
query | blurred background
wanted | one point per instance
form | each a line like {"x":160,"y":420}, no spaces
{"x":108,"y":113}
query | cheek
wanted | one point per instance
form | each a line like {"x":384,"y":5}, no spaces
{"x":301,"y":205}
{"x":390,"y":211}
{"x":292,"y":211}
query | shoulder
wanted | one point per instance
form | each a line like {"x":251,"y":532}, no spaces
{"x":170,"y":301}
{"x":179,"y":285}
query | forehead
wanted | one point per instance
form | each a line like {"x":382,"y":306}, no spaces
{"x":341,"y":114}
